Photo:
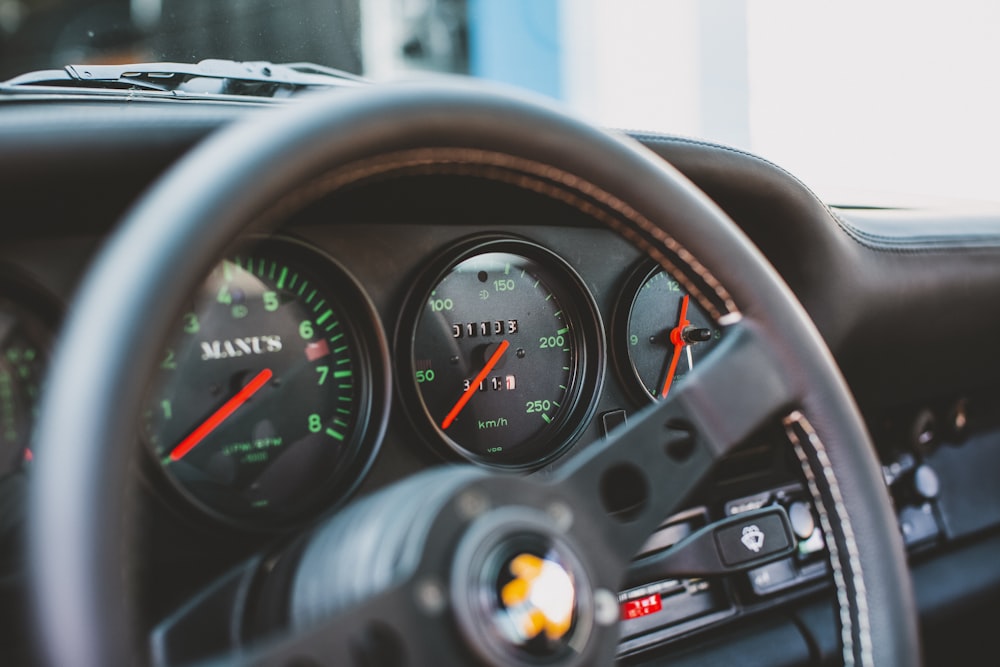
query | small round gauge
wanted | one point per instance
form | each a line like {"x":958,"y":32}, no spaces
{"x":24,"y":342}
{"x":661,"y":332}
{"x":270,"y":396}
{"x":504,"y":355}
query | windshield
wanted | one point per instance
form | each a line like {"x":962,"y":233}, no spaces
{"x":855,"y":98}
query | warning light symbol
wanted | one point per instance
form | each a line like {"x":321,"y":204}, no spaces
{"x":316,"y":350}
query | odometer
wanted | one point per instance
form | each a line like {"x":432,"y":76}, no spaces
{"x":262,"y":407}
{"x":505,"y":353}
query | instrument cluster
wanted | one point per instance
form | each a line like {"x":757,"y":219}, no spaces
{"x":276,"y":387}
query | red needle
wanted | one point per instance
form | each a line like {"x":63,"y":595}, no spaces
{"x":467,"y":394}
{"x":677,"y":339}
{"x":220,"y":415}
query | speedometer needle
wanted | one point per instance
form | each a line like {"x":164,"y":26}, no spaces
{"x":220,"y":415}
{"x":467,"y":394}
{"x":677,"y":338}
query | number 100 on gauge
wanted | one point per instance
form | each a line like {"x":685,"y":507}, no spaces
{"x":504,"y":353}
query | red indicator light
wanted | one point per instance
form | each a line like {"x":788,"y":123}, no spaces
{"x":317,"y":350}
{"x":641,"y":607}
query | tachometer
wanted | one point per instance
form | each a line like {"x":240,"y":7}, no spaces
{"x":660,"y":332}
{"x":23,"y":357}
{"x":502,"y":353}
{"x":270,"y":395}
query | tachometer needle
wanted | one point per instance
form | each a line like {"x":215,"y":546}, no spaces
{"x":467,"y":394}
{"x":220,"y":415}
{"x":677,"y":338}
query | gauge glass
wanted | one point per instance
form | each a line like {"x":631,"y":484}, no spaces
{"x":262,"y":396}
{"x":504,"y":354}
{"x":665,"y":333}
{"x":23,"y":358}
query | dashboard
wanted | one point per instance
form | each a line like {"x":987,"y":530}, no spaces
{"x":429,"y":320}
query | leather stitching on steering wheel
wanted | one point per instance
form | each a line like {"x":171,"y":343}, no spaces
{"x":797,"y":419}
{"x":526,"y":174}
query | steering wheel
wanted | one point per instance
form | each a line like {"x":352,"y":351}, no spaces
{"x":397,"y":578}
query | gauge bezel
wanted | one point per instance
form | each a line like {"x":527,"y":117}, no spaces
{"x":373,"y":381}
{"x":642,"y":272}
{"x":587,"y":375}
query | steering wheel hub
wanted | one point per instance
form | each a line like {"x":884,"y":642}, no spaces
{"x":520,"y":592}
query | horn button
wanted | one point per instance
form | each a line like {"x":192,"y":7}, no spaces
{"x":520,"y":594}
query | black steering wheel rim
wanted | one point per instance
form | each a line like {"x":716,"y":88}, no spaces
{"x":254,"y":174}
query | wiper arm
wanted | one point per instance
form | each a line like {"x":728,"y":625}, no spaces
{"x":210,"y":77}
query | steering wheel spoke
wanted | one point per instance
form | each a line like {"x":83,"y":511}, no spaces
{"x":368,"y":586}
{"x":644,"y":472}
{"x":207,"y":624}
{"x":389,"y":629}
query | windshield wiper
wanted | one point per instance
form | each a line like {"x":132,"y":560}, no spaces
{"x":208,"y":77}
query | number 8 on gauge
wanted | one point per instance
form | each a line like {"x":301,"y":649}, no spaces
{"x":269,"y":400}
{"x":503,"y":353}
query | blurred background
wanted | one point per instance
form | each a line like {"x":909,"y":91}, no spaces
{"x":858,"y":99}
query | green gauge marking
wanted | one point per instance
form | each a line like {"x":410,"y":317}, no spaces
{"x":250,"y":420}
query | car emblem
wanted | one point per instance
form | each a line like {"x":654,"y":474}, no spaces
{"x":541,"y":598}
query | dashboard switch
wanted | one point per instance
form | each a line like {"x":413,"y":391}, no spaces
{"x":611,"y":420}
{"x":926,"y":482}
{"x":754,"y":537}
{"x":734,"y":544}
{"x":801,"y":516}
{"x":773,"y":576}
{"x":813,"y":544}
{"x":918,"y":524}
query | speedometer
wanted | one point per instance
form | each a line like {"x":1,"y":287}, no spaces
{"x":504,"y":354}
{"x":268,"y":400}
